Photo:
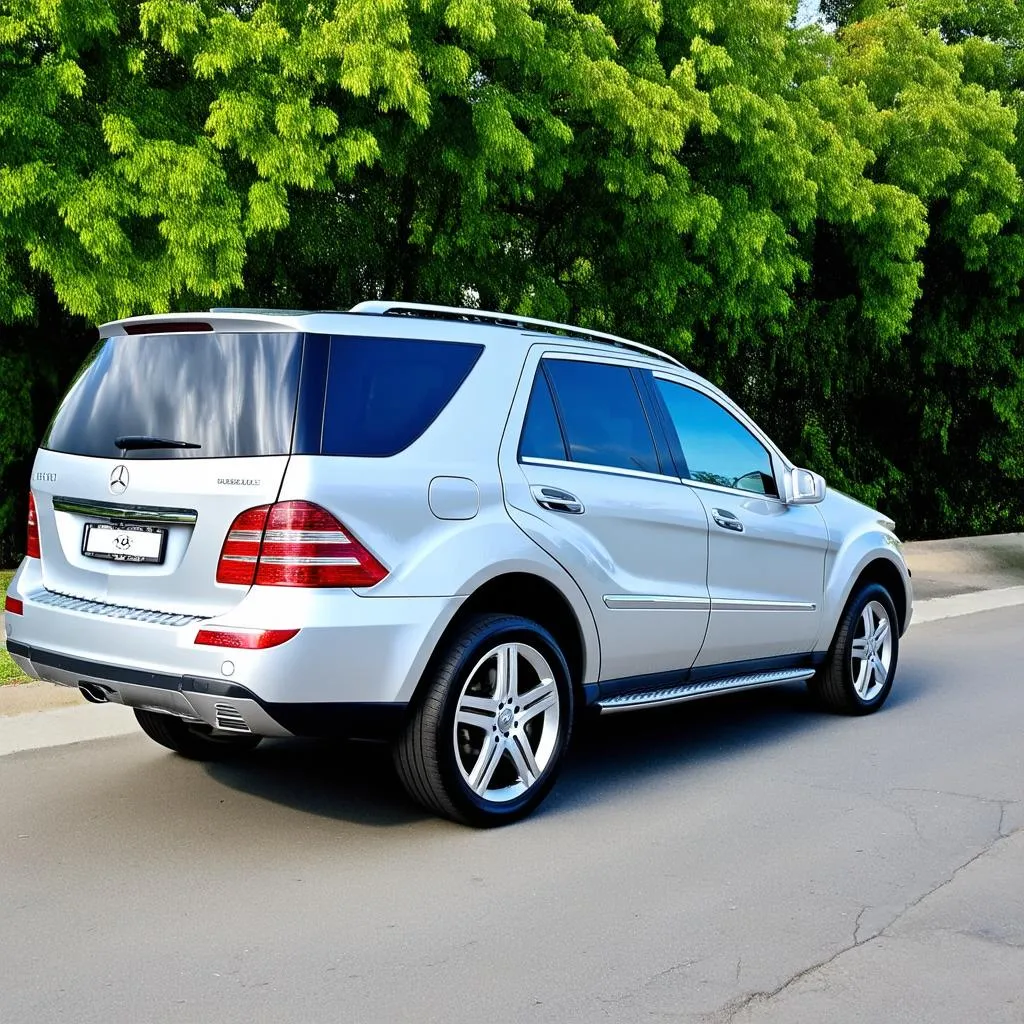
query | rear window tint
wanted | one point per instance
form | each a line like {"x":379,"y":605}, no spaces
{"x":604,"y":419}
{"x":383,"y":393}
{"x":542,"y":436}
{"x":234,"y":395}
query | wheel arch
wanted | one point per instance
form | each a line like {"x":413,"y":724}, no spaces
{"x":876,"y":565}
{"x":533,"y":597}
{"x":883,"y":571}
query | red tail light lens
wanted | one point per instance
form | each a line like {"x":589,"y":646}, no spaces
{"x":295,"y":544}
{"x":13,"y":605}
{"x":32,"y":540}
{"x":244,"y":639}
{"x":241,"y":548}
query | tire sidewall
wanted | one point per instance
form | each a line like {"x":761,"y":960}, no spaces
{"x":477,"y":810}
{"x":872,"y":592}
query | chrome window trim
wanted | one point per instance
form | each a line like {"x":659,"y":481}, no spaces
{"x":717,"y":488}
{"x":589,"y":467}
{"x":128,"y":513}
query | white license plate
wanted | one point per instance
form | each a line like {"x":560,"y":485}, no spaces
{"x":124,"y":543}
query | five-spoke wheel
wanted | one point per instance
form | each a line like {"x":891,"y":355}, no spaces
{"x":491,"y":724}
{"x":857,"y":677}
{"x":506,"y":725}
{"x":871,"y":651}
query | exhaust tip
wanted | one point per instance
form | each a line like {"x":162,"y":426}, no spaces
{"x":93,"y":694}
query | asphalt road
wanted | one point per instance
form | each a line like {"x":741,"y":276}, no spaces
{"x":746,"y":859}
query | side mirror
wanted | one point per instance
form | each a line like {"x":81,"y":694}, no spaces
{"x":804,"y":487}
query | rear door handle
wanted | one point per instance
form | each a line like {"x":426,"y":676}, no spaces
{"x":556,"y":500}
{"x":726,"y":520}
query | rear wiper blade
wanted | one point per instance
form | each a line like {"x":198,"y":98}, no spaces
{"x":136,"y":442}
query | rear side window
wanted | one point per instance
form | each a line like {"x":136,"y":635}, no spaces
{"x":542,"y":436}
{"x":604,"y":419}
{"x":233,"y":395}
{"x":383,"y":393}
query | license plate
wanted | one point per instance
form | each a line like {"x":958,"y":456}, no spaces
{"x":124,"y":543}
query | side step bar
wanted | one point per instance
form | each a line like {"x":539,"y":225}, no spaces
{"x":705,"y":688}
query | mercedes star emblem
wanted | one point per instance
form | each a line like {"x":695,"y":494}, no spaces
{"x":119,"y":480}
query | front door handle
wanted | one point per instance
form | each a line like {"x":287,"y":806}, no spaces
{"x":556,"y":500}
{"x":726,"y":520}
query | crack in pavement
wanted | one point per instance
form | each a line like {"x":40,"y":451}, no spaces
{"x":732,"y":1009}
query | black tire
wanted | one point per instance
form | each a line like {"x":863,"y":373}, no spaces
{"x":835,"y":684}
{"x":425,"y":754}
{"x":197,"y":742}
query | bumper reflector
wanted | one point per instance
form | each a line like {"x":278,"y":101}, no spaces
{"x":244,"y":639}
{"x":14,"y":606}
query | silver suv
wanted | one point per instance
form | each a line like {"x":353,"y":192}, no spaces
{"x":446,"y":528}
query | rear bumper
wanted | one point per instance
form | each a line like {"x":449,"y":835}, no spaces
{"x":353,"y":666}
{"x":224,"y":705}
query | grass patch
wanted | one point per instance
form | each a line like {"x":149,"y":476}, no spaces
{"x":9,"y":672}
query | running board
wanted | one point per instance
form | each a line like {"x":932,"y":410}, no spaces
{"x":704,"y":688}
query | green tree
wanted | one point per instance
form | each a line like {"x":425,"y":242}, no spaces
{"x":826,"y":223}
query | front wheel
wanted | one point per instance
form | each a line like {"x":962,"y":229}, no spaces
{"x":197,"y":742}
{"x":486,"y":739}
{"x":861,"y":665}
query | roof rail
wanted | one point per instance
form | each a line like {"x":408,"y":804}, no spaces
{"x":381,"y":308}
{"x":263,"y":311}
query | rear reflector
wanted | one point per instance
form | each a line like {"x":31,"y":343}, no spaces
{"x":13,"y":605}
{"x":295,"y":544}
{"x":32,"y":540}
{"x":244,"y":639}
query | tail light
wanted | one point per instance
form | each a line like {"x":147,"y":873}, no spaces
{"x":13,"y":605}
{"x":295,"y":544}
{"x":32,"y":540}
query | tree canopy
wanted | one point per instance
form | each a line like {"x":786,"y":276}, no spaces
{"x":824,"y":219}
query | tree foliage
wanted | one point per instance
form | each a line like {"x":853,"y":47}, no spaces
{"x":827,"y":221}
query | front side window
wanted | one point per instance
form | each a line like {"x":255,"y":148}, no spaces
{"x":718,"y":449}
{"x":604,"y":419}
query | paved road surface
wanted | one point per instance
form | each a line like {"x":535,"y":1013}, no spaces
{"x":742,"y":860}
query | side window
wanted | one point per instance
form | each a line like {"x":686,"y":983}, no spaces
{"x":383,"y":393}
{"x":542,"y":436}
{"x":605,"y":422}
{"x":717,"y":447}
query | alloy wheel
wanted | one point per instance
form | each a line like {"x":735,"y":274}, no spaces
{"x":871,"y":651}
{"x":506,"y":722}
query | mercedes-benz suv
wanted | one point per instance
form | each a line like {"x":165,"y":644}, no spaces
{"x":446,"y":528}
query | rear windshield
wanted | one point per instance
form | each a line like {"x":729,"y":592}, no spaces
{"x":233,"y":395}
{"x":383,"y":393}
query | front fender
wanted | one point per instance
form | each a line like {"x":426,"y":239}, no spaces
{"x":844,"y":567}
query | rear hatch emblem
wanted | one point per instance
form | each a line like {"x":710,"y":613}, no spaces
{"x":119,"y":479}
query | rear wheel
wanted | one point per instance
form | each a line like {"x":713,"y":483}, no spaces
{"x":861,"y":665}
{"x":487,"y":738}
{"x":198,"y":742}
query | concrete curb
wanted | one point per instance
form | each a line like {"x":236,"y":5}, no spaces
{"x":24,"y":727}
{"x":59,"y":727}
{"x":966,"y":604}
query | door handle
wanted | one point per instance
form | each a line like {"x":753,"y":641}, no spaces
{"x":556,"y":500}
{"x":726,"y":520}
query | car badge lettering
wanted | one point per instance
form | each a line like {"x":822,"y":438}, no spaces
{"x":119,"y":479}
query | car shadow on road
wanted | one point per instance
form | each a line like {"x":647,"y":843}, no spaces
{"x":356,"y":782}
